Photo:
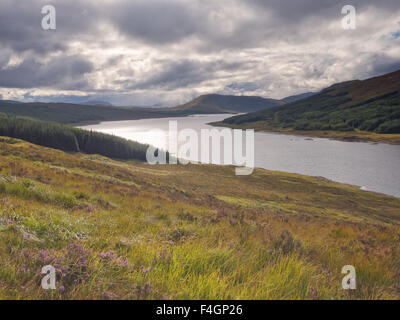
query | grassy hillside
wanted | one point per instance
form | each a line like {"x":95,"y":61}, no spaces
{"x":215,"y":103}
{"x":126,"y":230}
{"x":297,"y":97}
{"x":372,"y":105}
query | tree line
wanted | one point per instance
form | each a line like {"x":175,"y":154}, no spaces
{"x":71,"y":139}
{"x":326,"y":112}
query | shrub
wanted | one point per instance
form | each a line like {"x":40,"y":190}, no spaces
{"x":286,"y":243}
{"x":371,"y":124}
{"x":389,"y":127}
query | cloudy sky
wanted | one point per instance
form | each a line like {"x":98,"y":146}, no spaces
{"x":146,"y":52}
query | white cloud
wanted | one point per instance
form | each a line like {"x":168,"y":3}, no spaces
{"x":147,"y":52}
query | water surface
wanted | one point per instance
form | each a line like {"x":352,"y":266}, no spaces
{"x":374,"y":167}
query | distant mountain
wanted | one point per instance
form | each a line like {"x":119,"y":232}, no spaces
{"x":297,"y":97}
{"x":97,"y":103}
{"x":368,"y":105}
{"x":154,"y":106}
{"x":97,"y":110}
{"x":67,"y":113}
{"x":10,"y":101}
{"x":216,"y":103}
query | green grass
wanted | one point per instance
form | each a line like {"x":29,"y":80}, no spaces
{"x":128,"y":230}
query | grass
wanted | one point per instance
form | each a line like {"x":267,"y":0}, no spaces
{"x":128,"y":230}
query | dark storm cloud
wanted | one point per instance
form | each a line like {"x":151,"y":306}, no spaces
{"x":148,"y":48}
{"x":222,"y":25}
{"x":21,"y":30}
{"x":295,"y":11}
{"x":20,"y":27}
{"x":21,"y":35}
{"x":5,"y":55}
{"x":64,"y":72}
{"x":379,"y":64}
{"x":165,"y":22}
{"x":183,"y":73}
{"x":295,"y":22}
{"x":155,"y":22}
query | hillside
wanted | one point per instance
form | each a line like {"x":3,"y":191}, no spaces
{"x":127,"y":230}
{"x":215,"y":103}
{"x":297,"y":97}
{"x":75,"y":113}
{"x":371,"y":105}
{"x":96,"y":112}
{"x":97,"y":103}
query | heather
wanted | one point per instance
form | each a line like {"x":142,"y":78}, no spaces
{"x":127,"y":230}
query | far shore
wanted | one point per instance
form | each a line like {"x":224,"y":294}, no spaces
{"x":349,"y":136}
{"x":156,"y":116}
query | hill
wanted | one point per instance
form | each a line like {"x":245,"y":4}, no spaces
{"x":80,"y":114}
{"x":297,"y":97}
{"x":97,"y":103}
{"x":75,"y":113}
{"x":10,"y":101}
{"x":97,"y":111}
{"x":216,"y":103}
{"x":128,"y":230}
{"x":371,"y":105}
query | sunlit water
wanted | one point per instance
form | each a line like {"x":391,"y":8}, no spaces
{"x":374,"y":167}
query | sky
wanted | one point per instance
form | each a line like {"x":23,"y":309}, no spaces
{"x":166,"y":52}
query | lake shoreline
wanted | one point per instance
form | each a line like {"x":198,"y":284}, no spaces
{"x":372,"y":166}
{"x":351,"y":136}
{"x":157,"y":116}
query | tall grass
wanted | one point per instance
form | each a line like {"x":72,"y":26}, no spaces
{"x":118,"y":230}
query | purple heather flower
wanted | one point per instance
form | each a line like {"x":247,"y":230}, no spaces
{"x":62,"y":289}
